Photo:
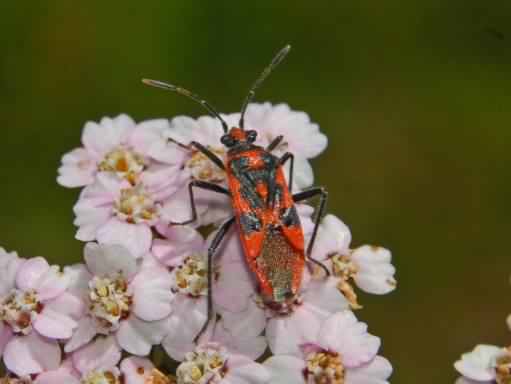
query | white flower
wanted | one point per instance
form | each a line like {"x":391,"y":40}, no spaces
{"x":482,"y":363}
{"x":118,"y":146}
{"x":124,"y":298}
{"x":340,"y":352}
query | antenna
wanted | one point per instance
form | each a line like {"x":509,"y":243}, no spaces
{"x":275,"y":61}
{"x":190,"y":95}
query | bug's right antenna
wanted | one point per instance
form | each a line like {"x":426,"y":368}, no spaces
{"x":187,"y":93}
{"x":276,"y":61}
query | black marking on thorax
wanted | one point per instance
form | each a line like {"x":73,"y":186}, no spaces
{"x":250,"y":176}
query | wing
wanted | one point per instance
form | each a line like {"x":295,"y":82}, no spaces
{"x":270,"y":229}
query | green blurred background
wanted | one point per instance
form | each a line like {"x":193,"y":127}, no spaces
{"x":413,"y":95}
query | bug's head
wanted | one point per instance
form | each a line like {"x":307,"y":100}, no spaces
{"x":237,"y":136}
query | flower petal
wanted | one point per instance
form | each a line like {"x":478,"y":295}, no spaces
{"x":179,"y":242}
{"x":134,"y":237}
{"x":84,"y":333}
{"x":137,"y":336}
{"x":136,"y":370}
{"x":54,"y":325}
{"x":377,"y":371}
{"x":285,"y":334}
{"x":10,"y":264}
{"x":102,"y":354}
{"x":109,"y":259}
{"x":100,"y":138}
{"x":375,"y":271}
{"x":479,"y":363}
{"x":243,"y":370}
{"x":5,"y":336}
{"x":152,"y":297}
{"x":77,"y":169}
{"x":323,"y":293}
{"x":333,"y":237}
{"x":343,"y":333}
{"x":31,"y":354}
{"x":285,"y":369}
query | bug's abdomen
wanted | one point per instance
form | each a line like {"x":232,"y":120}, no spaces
{"x":269,"y":226}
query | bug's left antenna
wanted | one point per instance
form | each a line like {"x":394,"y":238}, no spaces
{"x":275,"y":61}
{"x":190,"y":95}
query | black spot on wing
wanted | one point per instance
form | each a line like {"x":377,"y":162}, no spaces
{"x":250,"y":222}
{"x":289,"y":217}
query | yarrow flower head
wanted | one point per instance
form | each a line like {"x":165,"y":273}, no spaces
{"x":153,"y":277}
{"x":124,"y":298}
{"x":341,"y":352}
{"x":367,"y":267}
{"x":35,"y":313}
{"x":213,"y":363}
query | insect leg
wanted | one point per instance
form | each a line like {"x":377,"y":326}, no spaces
{"x":275,"y":142}
{"x":323,"y":196}
{"x":288,"y":156}
{"x":211,"y":253}
{"x":210,"y":155}
{"x":202,"y":185}
{"x":201,"y":148}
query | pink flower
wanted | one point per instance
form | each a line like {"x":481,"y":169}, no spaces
{"x":124,"y":298}
{"x":35,"y":312}
{"x":112,"y":211}
{"x":369,"y":267}
{"x":118,"y":146}
{"x":213,"y":363}
{"x":340,"y":352}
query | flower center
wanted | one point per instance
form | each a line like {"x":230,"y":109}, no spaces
{"x":205,"y":365}
{"x":12,"y":380}
{"x":110,"y":302}
{"x":19,"y":309}
{"x":157,"y":377}
{"x":346,"y":269}
{"x":503,"y":368}
{"x":124,"y":162}
{"x":101,"y":377}
{"x":191,"y":277}
{"x":324,"y":368}
{"x":136,"y":206}
{"x":203,"y":168}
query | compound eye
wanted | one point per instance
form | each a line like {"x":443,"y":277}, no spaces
{"x":251,"y":136}
{"x":227,"y":140}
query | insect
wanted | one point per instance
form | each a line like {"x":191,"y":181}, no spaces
{"x":263,"y":204}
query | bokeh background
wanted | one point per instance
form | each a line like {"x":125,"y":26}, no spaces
{"x":413,"y":95}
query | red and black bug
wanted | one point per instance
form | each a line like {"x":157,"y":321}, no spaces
{"x":262,"y":201}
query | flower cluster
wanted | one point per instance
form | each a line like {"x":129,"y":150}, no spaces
{"x":144,"y":282}
{"x":485,"y":364}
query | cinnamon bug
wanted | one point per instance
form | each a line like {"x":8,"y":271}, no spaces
{"x":263,"y":204}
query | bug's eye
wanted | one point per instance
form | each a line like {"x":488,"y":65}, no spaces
{"x":251,"y":136}
{"x":227,"y":140}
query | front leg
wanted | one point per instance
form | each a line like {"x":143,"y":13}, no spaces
{"x":202,"y":185}
{"x":288,"y":156}
{"x":201,"y":148}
